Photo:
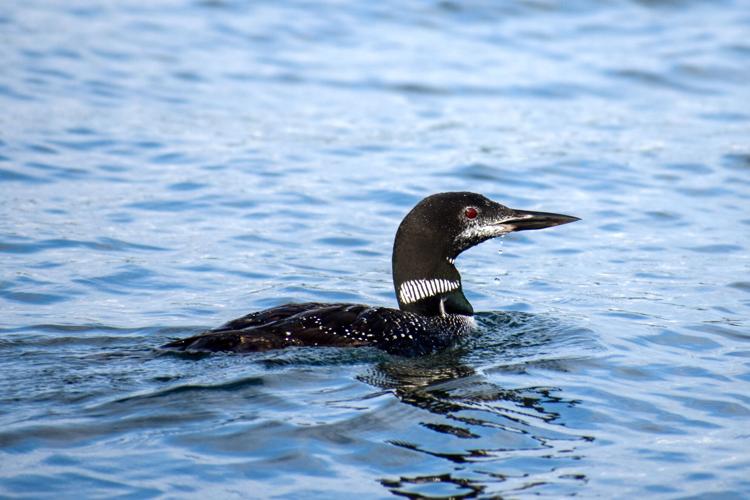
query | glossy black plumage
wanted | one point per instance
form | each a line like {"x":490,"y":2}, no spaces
{"x":337,"y":325}
{"x":433,"y":311}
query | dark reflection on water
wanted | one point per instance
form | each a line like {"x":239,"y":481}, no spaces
{"x":480,"y":423}
{"x":494,"y":423}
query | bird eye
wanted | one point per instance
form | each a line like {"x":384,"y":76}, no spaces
{"x":471,"y":213}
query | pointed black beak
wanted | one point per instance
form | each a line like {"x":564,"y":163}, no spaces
{"x":522,"y":220}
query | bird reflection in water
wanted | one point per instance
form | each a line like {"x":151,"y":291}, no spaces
{"x":495,"y":440}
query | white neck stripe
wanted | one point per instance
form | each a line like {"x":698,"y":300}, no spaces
{"x":414,"y":290}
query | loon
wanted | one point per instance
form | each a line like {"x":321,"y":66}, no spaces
{"x":433,"y":312}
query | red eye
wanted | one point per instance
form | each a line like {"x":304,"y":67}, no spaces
{"x":470,"y":213}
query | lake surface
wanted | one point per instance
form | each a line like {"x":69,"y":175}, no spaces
{"x":168,"y":166}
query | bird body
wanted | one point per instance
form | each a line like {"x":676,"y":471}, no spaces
{"x":433,"y":311}
{"x":334,"y":325}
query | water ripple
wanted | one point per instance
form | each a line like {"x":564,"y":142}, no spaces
{"x":167,"y":167}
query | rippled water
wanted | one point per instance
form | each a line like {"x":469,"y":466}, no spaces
{"x":167,"y":166}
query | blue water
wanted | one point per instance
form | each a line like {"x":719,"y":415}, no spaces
{"x":168,"y":166}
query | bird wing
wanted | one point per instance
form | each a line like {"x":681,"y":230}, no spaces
{"x":308,"y":324}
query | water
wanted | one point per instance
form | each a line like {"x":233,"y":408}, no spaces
{"x":168,"y":166}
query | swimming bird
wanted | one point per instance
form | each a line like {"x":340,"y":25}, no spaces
{"x":433,"y":312}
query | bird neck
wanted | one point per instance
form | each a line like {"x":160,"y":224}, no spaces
{"x":425,"y":278}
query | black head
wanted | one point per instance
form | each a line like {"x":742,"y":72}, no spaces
{"x":435,"y":232}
